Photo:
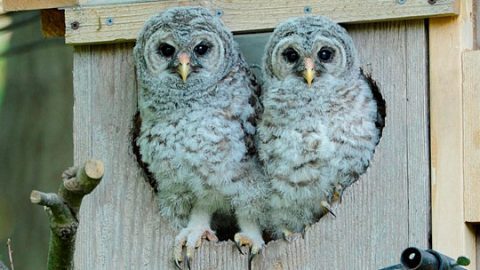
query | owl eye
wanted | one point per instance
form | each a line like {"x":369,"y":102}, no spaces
{"x":166,"y":50}
{"x":290,"y":55}
{"x":325,"y":54}
{"x":201,"y":49}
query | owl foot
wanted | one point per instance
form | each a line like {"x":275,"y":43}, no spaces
{"x":337,"y":194}
{"x":252,"y":240}
{"x":191,"y":238}
{"x":327,"y":206}
{"x":289,"y":236}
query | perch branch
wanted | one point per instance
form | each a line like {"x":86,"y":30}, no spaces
{"x":62,"y":209}
{"x":10,"y":253}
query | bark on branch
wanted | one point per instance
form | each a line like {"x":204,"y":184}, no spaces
{"x":62,"y":209}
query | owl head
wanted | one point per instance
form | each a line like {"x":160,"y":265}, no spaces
{"x":309,"y":50}
{"x":183,"y":51}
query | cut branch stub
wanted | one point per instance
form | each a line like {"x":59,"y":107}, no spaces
{"x":62,"y":209}
{"x":79,"y":182}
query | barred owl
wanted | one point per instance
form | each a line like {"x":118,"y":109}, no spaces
{"x":197,"y":102}
{"x":318,"y":130}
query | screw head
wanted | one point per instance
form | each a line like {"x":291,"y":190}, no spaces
{"x":219,"y":13}
{"x":109,"y":21}
{"x":75,"y":25}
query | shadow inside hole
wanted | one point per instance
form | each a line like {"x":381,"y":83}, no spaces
{"x":381,"y":105}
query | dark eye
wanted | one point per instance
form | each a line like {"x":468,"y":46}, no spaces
{"x":201,"y":49}
{"x":290,"y":55}
{"x":166,"y":50}
{"x":325,"y":54}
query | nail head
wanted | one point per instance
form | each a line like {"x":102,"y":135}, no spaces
{"x":75,"y":25}
{"x":109,"y":21}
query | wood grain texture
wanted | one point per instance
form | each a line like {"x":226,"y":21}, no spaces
{"x":384,"y":212}
{"x":18,"y":5}
{"x":471,"y":135}
{"x":418,"y":134}
{"x":449,"y":37}
{"x":120,"y":22}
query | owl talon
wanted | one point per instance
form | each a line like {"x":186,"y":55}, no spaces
{"x":338,"y":192}
{"x":239,"y":248}
{"x":250,"y":260}
{"x":327,"y":206}
{"x":253,"y":241}
{"x":188,"y":240}
{"x":288,"y":235}
{"x":177,"y":264}
{"x":188,"y":260}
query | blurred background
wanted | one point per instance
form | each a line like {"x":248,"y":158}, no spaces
{"x":36,"y":103}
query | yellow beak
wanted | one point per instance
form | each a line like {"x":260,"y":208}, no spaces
{"x":309,"y":73}
{"x":184,"y":70}
{"x":184,"y":67}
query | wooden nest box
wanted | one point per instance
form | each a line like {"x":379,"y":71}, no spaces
{"x":421,"y":188}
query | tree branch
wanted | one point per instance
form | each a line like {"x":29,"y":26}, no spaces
{"x":10,"y":253}
{"x":62,"y":209}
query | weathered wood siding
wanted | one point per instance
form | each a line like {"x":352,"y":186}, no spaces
{"x":122,"y":22}
{"x":386,"y":211}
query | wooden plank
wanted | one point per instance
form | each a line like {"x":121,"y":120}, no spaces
{"x":120,"y":22}
{"x":418,"y":137}
{"x":471,"y":127}
{"x":110,"y":2}
{"x":18,"y":5}
{"x":120,"y":226}
{"x":449,"y":37}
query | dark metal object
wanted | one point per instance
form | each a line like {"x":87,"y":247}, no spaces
{"x":109,"y":21}
{"x":432,"y":2}
{"x":75,"y":25}
{"x":416,"y":259}
{"x":219,"y":13}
